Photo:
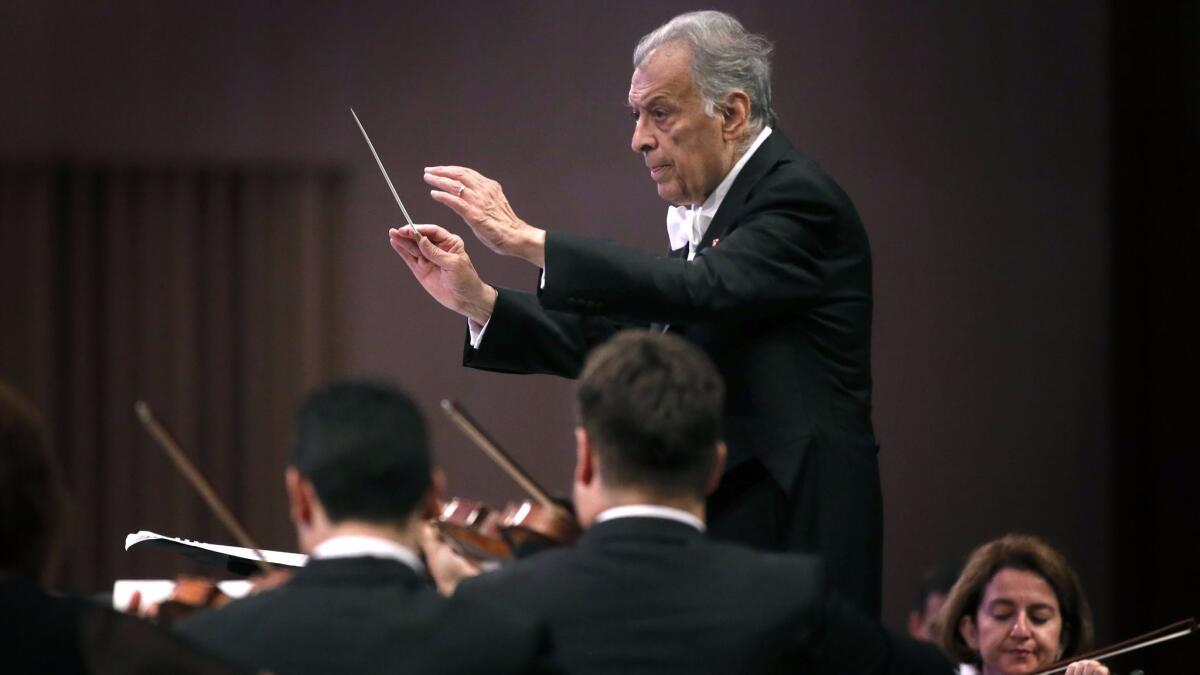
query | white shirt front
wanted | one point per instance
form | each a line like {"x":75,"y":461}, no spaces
{"x":357,"y":546}
{"x":651,"y":511}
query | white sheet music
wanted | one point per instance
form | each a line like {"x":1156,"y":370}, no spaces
{"x":273,"y":557}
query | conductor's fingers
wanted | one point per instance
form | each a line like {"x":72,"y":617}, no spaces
{"x":438,"y":234}
{"x":411,"y":258}
{"x":434,"y":254}
{"x":471,"y":178}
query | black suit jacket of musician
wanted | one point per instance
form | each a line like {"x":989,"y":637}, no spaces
{"x":651,"y":595}
{"x":779,"y":296}
{"x":366,"y":615}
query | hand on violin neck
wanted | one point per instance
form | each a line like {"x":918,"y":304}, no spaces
{"x":446,"y":565}
{"x":190,"y":595}
{"x":270,"y":581}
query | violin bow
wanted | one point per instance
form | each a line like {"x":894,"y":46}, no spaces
{"x":476,"y":433}
{"x":189,"y":471}
{"x":1170,"y":632}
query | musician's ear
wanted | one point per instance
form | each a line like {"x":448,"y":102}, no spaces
{"x":714,"y":476}
{"x":915,"y":623}
{"x":301,"y":497}
{"x":585,"y":458}
{"x":433,"y":495}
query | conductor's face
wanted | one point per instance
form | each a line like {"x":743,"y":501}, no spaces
{"x":685,"y":150}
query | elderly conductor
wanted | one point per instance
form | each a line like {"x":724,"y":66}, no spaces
{"x":769,"y":272}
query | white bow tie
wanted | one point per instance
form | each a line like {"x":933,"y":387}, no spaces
{"x":679,"y":227}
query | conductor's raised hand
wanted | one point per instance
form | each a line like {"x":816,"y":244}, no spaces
{"x":481,"y":203}
{"x":440,"y":263}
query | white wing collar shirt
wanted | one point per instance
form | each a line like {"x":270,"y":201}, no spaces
{"x":685,"y":224}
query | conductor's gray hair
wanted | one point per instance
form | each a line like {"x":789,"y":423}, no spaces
{"x":725,"y":58}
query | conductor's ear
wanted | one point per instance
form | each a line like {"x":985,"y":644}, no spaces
{"x":735,"y":115}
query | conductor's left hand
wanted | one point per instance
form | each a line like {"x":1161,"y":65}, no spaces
{"x":481,"y":203}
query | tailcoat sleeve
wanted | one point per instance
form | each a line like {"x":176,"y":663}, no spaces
{"x":775,"y":258}
{"x":523,"y":337}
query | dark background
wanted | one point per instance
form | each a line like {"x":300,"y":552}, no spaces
{"x":1023,"y":170}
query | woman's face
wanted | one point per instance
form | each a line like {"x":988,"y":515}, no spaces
{"x":1018,"y":627}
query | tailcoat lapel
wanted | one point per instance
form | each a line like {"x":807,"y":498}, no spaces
{"x":759,"y":164}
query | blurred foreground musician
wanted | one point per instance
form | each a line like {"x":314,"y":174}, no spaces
{"x":360,"y":488}
{"x":43,"y":633}
{"x":644,"y":590}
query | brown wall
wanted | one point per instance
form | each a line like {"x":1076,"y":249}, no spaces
{"x":972,"y":137}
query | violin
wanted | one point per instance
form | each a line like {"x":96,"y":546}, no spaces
{"x":521,"y":529}
{"x":474,"y":528}
{"x":191,"y":595}
{"x":526,"y":526}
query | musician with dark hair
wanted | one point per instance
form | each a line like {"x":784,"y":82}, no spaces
{"x":360,"y":488}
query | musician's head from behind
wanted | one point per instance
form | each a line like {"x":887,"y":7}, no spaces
{"x":31,"y":494}
{"x":361,"y":464}
{"x":700,"y":94}
{"x":1017,"y":607}
{"x":649,"y":408}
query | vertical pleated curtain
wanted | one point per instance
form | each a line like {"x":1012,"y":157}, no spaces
{"x":210,"y":292}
